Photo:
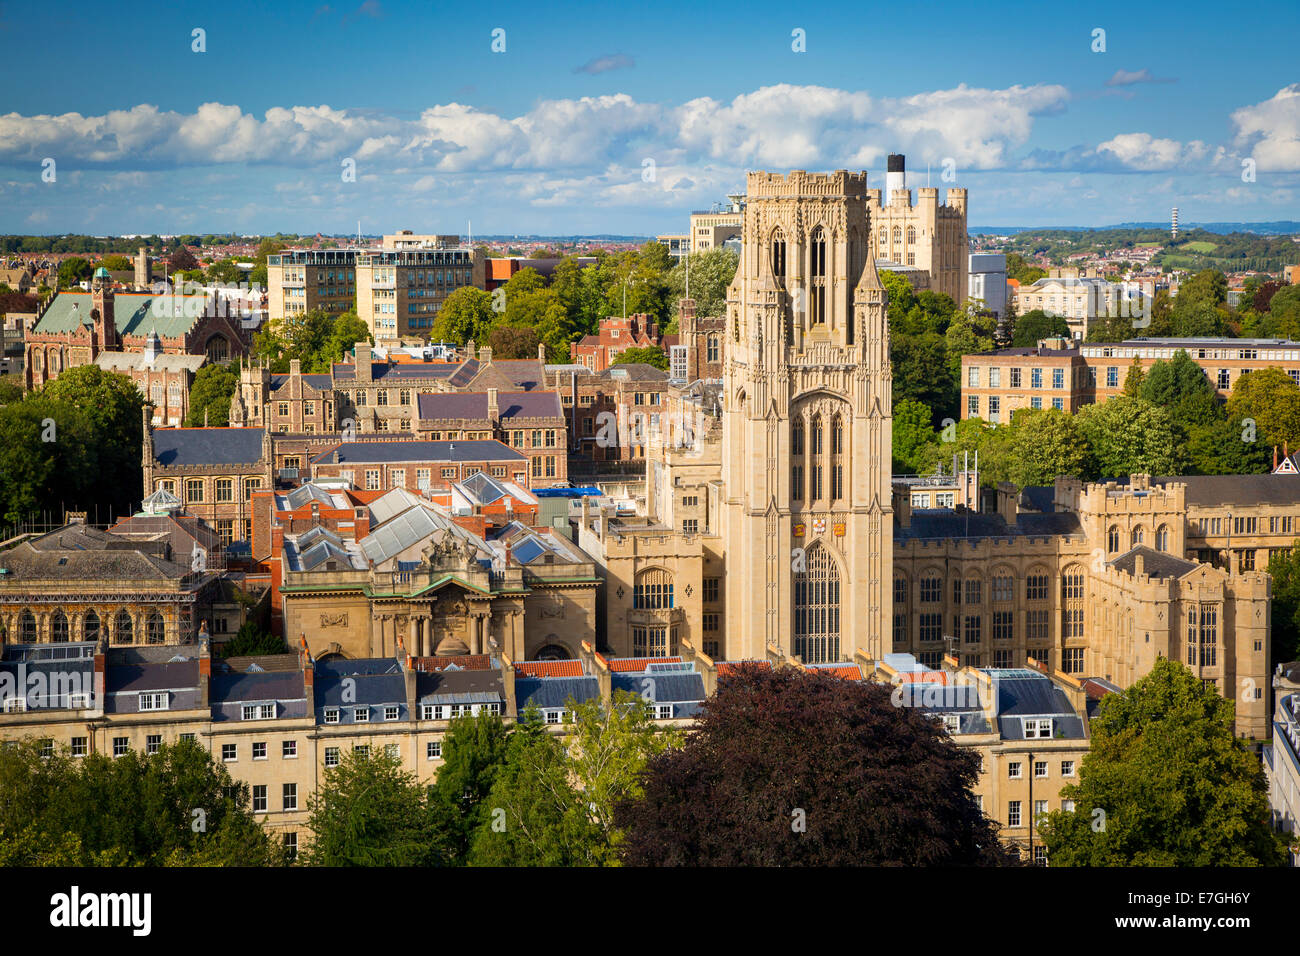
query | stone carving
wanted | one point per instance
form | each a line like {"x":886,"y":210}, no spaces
{"x":552,"y":605}
{"x":333,"y":620}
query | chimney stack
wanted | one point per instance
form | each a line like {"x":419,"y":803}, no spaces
{"x":494,"y":411}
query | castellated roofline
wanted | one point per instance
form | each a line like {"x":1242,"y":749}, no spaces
{"x":798,"y":183}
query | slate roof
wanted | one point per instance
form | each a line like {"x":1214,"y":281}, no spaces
{"x":1157,"y":564}
{"x":228,"y":692}
{"x":474,"y":405}
{"x":318,"y":381}
{"x":133,"y":314}
{"x":135,"y":678}
{"x":941,"y":523}
{"x":459,"y":687}
{"x":1218,"y":490}
{"x":1041,"y":498}
{"x":635,"y":372}
{"x":554,"y":691}
{"x":207,"y":446}
{"x":1026,"y":693}
{"x":75,"y":554}
{"x":661,"y":688}
{"x":375,"y":452}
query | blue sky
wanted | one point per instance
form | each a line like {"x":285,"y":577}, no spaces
{"x":556,"y":134}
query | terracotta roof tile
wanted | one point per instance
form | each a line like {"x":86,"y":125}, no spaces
{"x":625,"y":664}
{"x":549,"y":668}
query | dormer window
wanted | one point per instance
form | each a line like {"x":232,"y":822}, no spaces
{"x":1038,"y":728}
{"x":154,"y":701}
{"x":258,"y":712}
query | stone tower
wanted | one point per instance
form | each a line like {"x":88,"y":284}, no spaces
{"x":807,"y":515}
{"x":103,"y":319}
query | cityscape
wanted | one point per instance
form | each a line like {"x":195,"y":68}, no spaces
{"x":651,"y":459}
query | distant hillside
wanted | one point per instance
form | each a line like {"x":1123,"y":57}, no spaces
{"x":1285,"y":227}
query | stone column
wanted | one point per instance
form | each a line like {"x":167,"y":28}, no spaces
{"x":413,"y":640}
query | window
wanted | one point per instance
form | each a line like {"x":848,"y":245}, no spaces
{"x":1002,"y":625}
{"x":711,"y":589}
{"x":1112,"y":377}
{"x":259,"y":750}
{"x":79,"y":746}
{"x":229,"y":752}
{"x":650,"y":642}
{"x":973,"y":590}
{"x":1035,"y":378}
{"x":653,"y":590}
{"x":1246,"y":560}
{"x":1067,"y":769}
{"x":372,"y":479}
{"x":391,"y":712}
{"x":1013,"y":770}
{"x":1015,"y":377}
{"x":1040,"y":855}
{"x":1040,"y":767}
{"x":995,"y":378}
{"x":1072,"y":660}
{"x":259,"y":798}
{"x":972,"y":406}
{"x":690,"y":526}
{"x":433,"y":750}
{"x":154,"y":701}
{"x":1002,"y":659}
{"x":930,"y":586}
{"x":931,"y":627}
{"x":362,"y":749}
{"x":1036,"y":625}
{"x":360,"y":715}
{"x":1003,"y":588}
{"x":289,"y":749}
{"x":1036,"y":587}
{"x":291,"y":846}
{"x":973,"y":628}
{"x":973,"y":377}
{"x":194,"y":490}
{"x":1224,"y":380}
{"x":1036,"y":402}
{"x":1013,"y":813}
{"x":290,"y":793}
{"x":258,"y":712}
{"x":711,"y":622}
{"x":1058,"y":378}
{"x":225,"y":489}
{"x":1058,"y":404}
{"x":331,"y":756}
{"x":331,"y":715}
{"x":152,"y":743}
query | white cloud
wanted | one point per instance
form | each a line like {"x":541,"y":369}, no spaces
{"x":1269,"y":132}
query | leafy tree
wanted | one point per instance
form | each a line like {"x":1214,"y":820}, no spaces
{"x":369,"y":812}
{"x":648,"y":355}
{"x":133,"y":810}
{"x":1133,"y":380}
{"x":921,"y":373}
{"x":112,"y":403}
{"x":1174,"y":786}
{"x":1180,"y":386}
{"x":1036,"y":325}
{"x":1208,"y":285}
{"x":1285,"y":570}
{"x":1046,"y":443}
{"x":251,"y":641}
{"x":509,"y":342}
{"x":37,"y":475}
{"x":345,"y":331}
{"x":465,"y":314}
{"x":10,"y":391}
{"x":116,"y":263}
{"x":535,"y":821}
{"x":72,"y":271}
{"x":968,"y":333}
{"x":182,"y":259}
{"x":1197,"y":318}
{"x":473,"y":750}
{"x":225,"y":271}
{"x":711,"y":274}
{"x":913,"y":433}
{"x":1129,"y":435}
{"x":1269,"y":398}
{"x":793,"y":768}
{"x":1284,"y":307}
{"x":1226,"y":446}
{"x":210,"y":395}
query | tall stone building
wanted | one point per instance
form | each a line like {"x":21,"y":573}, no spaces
{"x":924,"y":235}
{"x":807,"y":511}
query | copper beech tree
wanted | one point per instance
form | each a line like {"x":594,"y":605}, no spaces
{"x":790,"y":768}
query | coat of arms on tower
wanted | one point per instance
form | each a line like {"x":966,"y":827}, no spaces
{"x":819,"y":526}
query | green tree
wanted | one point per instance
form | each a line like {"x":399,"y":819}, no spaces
{"x":251,"y":641}
{"x":465,"y":314}
{"x":225,"y":271}
{"x":1035,"y":325}
{"x":711,"y":273}
{"x":474,"y":751}
{"x":72,"y":271}
{"x":369,"y":812}
{"x":1226,"y":446}
{"x":1173,"y":785}
{"x":182,"y":259}
{"x":921,"y":373}
{"x":10,"y":390}
{"x":49,"y":459}
{"x":116,"y":263}
{"x":1128,"y":435}
{"x":1180,"y":386}
{"x":172,"y":807}
{"x":509,"y":342}
{"x":112,"y":403}
{"x":1284,"y":307}
{"x":345,"y":331}
{"x":1271,"y":400}
{"x":1046,"y":443}
{"x":1133,"y":380}
{"x":210,"y":395}
{"x":649,"y":355}
{"x":913,"y":433}
{"x":1285,"y":570}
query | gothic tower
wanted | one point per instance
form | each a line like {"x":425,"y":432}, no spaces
{"x":807,"y":518}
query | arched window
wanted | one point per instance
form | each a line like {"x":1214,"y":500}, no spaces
{"x":837,"y":464}
{"x":154,"y":629}
{"x":1112,"y":539}
{"x":553,"y":652}
{"x":911,"y":235}
{"x":1136,"y":536}
{"x":815,"y":469}
{"x":796,"y":456}
{"x":898,"y":235}
{"x":817,"y":608}
{"x":817,"y":275}
{"x":1162,"y":538}
{"x":90,"y":627}
{"x":778,"y":256}
{"x":882,"y":237}
{"x":653,"y":590}
{"x":218,"y":349}
{"x":122,"y":628}
{"x":27,"y":627}
{"x":59,"y":628}
{"x":1072,"y":602}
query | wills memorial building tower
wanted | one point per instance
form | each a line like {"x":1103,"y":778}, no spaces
{"x":807,"y":517}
